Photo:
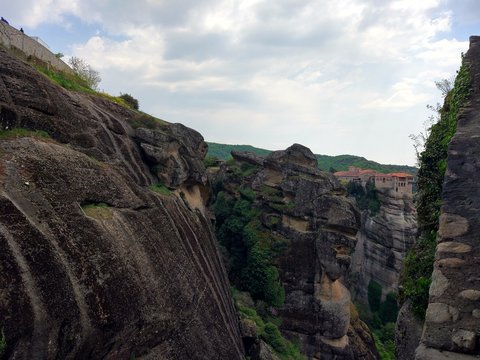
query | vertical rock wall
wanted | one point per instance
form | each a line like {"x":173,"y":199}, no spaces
{"x":452,"y":325}
{"x":383,"y":241}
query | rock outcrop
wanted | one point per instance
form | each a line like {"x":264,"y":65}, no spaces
{"x":452,"y":324}
{"x":93,"y":262}
{"x":308,"y":208}
{"x":382,"y":243}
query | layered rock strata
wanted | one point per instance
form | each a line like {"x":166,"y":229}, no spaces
{"x":382,"y":243}
{"x":452,"y":324}
{"x":93,"y":262}
{"x":309,"y":208}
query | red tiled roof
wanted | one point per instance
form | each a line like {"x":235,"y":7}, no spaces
{"x":400,"y":174}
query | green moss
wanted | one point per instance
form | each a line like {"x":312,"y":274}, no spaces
{"x":99,"y":211}
{"x":20,"y":132}
{"x":160,"y":189}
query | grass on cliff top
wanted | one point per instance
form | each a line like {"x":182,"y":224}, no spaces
{"x":21,"y":132}
{"x":99,"y":211}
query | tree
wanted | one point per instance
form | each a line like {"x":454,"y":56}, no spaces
{"x":85,"y":72}
{"x":130,"y":100}
{"x":374,"y":295}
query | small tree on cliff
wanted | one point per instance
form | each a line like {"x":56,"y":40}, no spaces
{"x":130,"y":100}
{"x":85,"y":72}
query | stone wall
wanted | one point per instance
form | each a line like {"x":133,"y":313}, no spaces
{"x":452,"y":324}
{"x":13,"y":38}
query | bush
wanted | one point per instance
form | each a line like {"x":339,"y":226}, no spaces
{"x":130,"y":100}
{"x":85,"y":72}
{"x":389,"y":309}
{"x":374,"y":295}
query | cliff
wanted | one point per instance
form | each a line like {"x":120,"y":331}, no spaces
{"x":98,"y":259}
{"x":306,"y":226}
{"x":452,"y":325}
{"x":382,"y":243}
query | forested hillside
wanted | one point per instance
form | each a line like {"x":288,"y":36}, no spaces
{"x":325,"y":162}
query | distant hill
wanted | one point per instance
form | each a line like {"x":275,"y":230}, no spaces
{"x":325,"y":162}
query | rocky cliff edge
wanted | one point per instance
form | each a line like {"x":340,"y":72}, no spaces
{"x":105,"y":251}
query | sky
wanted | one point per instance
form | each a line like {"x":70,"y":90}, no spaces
{"x":338,"y":76}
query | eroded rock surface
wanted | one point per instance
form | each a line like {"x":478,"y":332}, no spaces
{"x":94,"y":264}
{"x":309,"y":208}
{"x":383,"y":242}
{"x":452,"y":325}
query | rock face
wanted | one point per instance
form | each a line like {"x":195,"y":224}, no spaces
{"x":309,"y":208}
{"x":94,"y":264}
{"x":382,"y":243}
{"x":452,"y":324}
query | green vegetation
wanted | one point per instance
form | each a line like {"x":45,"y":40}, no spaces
{"x":251,"y":249}
{"x":141,"y":119}
{"x":222,"y":151}
{"x":69,"y":81}
{"x":3,"y":343}
{"x":325,"y":162}
{"x":100,"y":211}
{"x":365,"y":198}
{"x":85,"y":72}
{"x":416,"y":277}
{"x":21,"y":132}
{"x":267,"y":329}
{"x":130,"y":101}
{"x":380,"y":317}
{"x":374,"y":295}
{"x":210,"y":161}
{"x":160,"y":189}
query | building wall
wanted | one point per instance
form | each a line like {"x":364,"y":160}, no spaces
{"x":13,"y":38}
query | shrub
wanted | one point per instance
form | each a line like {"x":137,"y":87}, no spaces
{"x":130,"y":100}
{"x":85,"y":72}
{"x":374,"y":295}
{"x":389,"y":309}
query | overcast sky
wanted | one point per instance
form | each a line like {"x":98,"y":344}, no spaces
{"x":339,"y":76}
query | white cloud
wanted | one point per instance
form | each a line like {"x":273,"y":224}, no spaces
{"x":321,"y":72}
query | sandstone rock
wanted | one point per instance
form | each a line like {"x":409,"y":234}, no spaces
{"x":440,"y":313}
{"x":145,"y":281}
{"x":248,"y":157}
{"x":382,"y":243}
{"x":453,"y":247}
{"x":464,"y":339}
{"x":320,"y":224}
{"x":470,"y":294}
{"x":439,"y":283}
{"x":408,"y":332}
{"x":426,"y":353}
{"x":452,"y":226}
{"x":452,"y":324}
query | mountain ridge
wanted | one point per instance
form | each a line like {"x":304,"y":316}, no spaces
{"x":325,"y":162}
